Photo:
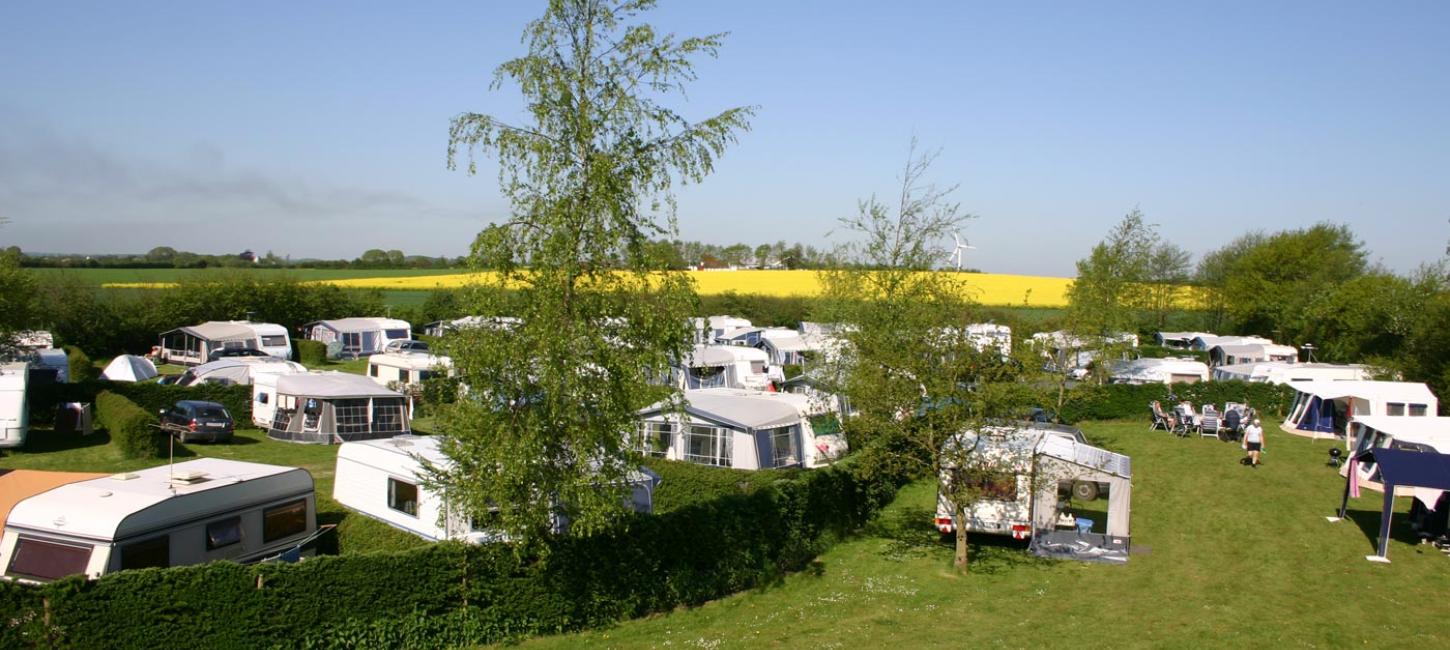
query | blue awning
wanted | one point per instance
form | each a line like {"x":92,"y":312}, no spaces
{"x":1413,"y":468}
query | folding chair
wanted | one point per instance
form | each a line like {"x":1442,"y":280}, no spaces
{"x":1185,"y":423}
{"x":1160,"y":421}
{"x":1208,"y":425}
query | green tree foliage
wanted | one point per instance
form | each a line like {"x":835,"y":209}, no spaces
{"x":18,"y":300}
{"x":589,"y":178}
{"x":1113,"y":283}
{"x":908,"y":367}
{"x":1168,"y":270}
{"x":1271,"y":285}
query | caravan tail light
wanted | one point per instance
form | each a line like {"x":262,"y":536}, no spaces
{"x":1019,"y":531}
{"x":192,"y":426}
{"x":944,"y":524}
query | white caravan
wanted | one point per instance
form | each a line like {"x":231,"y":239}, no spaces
{"x":1178,"y":340}
{"x":1230,"y":354}
{"x":239,"y":371}
{"x":1280,"y":372}
{"x":1206,"y":342}
{"x":723,"y":366}
{"x":1037,"y":467}
{"x":193,"y":345}
{"x":1327,"y":407}
{"x":357,"y":337}
{"x":14,"y":416}
{"x":439,"y":328}
{"x":327,"y":407}
{"x":382,"y":479}
{"x":197,"y":511}
{"x":396,"y":370}
{"x":740,"y":429}
{"x":991,"y":336}
{"x":1159,"y":371}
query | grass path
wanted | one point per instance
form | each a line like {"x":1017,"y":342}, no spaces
{"x":1229,"y":556}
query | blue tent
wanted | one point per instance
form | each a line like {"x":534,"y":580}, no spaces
{"x":1319,"y":416}
{"x":1401,"y":467}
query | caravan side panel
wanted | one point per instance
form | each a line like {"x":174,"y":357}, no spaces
{"x":363,"y":486}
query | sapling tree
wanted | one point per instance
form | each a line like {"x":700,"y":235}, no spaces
{"x":907,"y":363}
{"x":551,"y":399}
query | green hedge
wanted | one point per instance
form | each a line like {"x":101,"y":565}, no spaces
{"x":150,"y":396}
{"x":309,"y":352}
{"x":456,"y":594}
{"x":80,"y":366}
{"x":684,"y":484}
{"x":133,"y":429}
{"x":1124,"y":401}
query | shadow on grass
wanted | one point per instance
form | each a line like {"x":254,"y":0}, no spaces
{"x":1369,"y":522}
{"x":41,"y":441}
{"x":912,"y":533}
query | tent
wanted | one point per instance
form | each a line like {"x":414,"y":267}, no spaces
{"x":1401,"y":468}
{"x":129,"y":367}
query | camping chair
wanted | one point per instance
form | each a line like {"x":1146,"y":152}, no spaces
{"x":1159,"y":419}
{"x":1185,"y":422}
{"x":1208,"y":425}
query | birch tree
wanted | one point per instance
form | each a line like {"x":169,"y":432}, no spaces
{"x":589,"y":174}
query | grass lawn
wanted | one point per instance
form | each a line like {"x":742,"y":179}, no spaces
{"x":1226,"y":555}
{"x":355,"y":533}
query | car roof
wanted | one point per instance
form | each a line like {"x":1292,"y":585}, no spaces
{"x":199,"y":402}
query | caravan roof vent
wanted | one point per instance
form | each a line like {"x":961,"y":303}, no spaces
{"x":188,"y":477}
{"x":124,"y":476}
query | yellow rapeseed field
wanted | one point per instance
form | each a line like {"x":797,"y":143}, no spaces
{"x":986,"y":288}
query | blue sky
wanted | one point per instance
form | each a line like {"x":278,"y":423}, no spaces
{"x":319,"y":129}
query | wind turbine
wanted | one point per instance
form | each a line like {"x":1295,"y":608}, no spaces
{"x":961,"y":246}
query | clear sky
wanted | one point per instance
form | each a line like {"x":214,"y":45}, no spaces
{"x":320,"y":128}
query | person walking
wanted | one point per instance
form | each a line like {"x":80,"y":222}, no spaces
{"x":1254,"y":442}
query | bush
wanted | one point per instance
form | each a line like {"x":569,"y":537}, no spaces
{"x":133,"y":429}
{"x":310,"y":352}
{"x":79,"y":365}
{"x":150,"y":396}
{"x":1125,"y":401}
{"x":684,"y":484}
{"x":456,"y":594}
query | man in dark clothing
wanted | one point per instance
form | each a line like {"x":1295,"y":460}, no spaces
{"x":1231,"y":421}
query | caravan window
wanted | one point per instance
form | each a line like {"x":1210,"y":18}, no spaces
{"x":275,"y":341}
{"x":708,"y":445}
{"x":395,"y":334}
{"x":372,"y":370}
{"x":285,"y":520}
{"x":757,"y":367}
{"x":47,"y":560}
{"x":783,"y":447}
{"x":351,"y":415}
{"x":1419,"y":410}
{"x":154,"y":552}
{"x":261,"y":398}
{"x":223,"y":533}
{"x":655,"y":437}
{"x":1395,"y":408}
{"x":388,"y":414}
{"x":403,"y":497}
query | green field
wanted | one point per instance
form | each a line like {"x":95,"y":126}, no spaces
{"x":1227,"y":556}
{"x":109,"y":276}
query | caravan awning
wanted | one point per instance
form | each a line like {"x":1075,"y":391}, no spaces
{"x":330,"y":385}
{"x":219,"y":331}
{"x":1400,"y":468}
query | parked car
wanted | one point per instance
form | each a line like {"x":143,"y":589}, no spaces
{"x":406,"y":346}
{"x":195,"y":420}
{"x":235,"y":352}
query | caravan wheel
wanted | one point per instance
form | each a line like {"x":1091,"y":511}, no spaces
{"x":1084,"y":490}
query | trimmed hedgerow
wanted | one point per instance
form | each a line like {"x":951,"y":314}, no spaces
{"x":150,"y":396}
{"x":133,"y":429}
{"x":1125,"y":401}
{"x":309,"y":352}
{"x":456,"y":594}
{"x":78,"y":365}
{"x":683,"y":484}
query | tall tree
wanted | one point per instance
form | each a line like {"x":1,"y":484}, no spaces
{"x":1109,"y":289}
{"x":908,"y":365}
{"x":589,"y":178}
{"x":1166,"y":274}
{"x":1212,"y":275}
{"x":1268,"y":288}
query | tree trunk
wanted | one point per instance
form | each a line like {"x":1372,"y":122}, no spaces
{"x":960,"y":562}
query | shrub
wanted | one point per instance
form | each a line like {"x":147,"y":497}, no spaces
{"x":684,"y":484}
{"x":133,"y":429}
{"x":150,"y":396}
{"x":79,"y":365}
{"x":1125,"y":401}
{"x":310,"y":352}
